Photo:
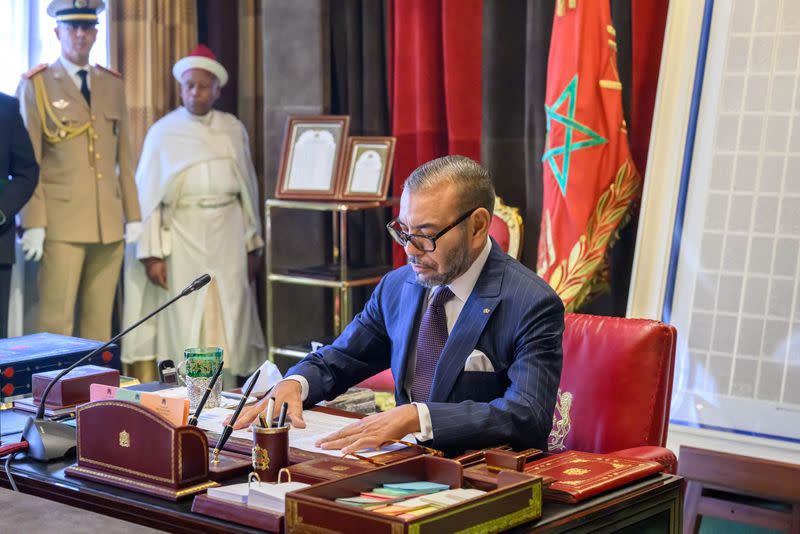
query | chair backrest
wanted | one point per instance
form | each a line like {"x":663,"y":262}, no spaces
{"x":616,"y":384}
{"x":506,"y":228}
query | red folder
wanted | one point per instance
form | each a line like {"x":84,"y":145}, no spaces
{"x":580,"y":475}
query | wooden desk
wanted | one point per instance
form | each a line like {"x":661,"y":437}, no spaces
{"x":653,"y":505}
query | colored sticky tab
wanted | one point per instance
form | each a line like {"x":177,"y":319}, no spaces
{"x":128,"y":395}
{"x":174,"y":410}
{"x":359,"y":501}
{"x":391,"y":510}
{"x":386,"y":499}
{"x":450,"y":497}
{"x":102,"y":392}
{"x":421,"y":485}
{"x":395,"y":492}
{"x":421,"y":511}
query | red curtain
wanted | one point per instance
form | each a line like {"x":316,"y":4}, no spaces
{"x":434,"y":78}
{"x":649,"y":20}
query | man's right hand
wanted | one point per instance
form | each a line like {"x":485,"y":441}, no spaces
{"x":156,"y":271}
{"x":33,"y":243}
{"x":288,"y":391}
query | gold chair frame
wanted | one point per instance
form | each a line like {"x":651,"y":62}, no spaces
{"x":513,"y":220}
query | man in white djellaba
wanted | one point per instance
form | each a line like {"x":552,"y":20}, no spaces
{"x":198,"y":193}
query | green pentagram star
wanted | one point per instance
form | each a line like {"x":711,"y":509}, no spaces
{"x":570,"y":95}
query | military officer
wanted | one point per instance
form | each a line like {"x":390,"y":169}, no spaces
{"x":77,"y":119}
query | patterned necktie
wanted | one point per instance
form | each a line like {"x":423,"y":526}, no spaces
{"x":85,"y":86}
{"x":431,"y":339}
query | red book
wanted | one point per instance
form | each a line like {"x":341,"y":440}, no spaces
{"x":580,"y":475}
{"x":73,"y":388}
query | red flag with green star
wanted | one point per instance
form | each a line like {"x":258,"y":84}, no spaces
{"x":589,"y":177}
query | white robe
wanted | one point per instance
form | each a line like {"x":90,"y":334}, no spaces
{"x":197,"y":191}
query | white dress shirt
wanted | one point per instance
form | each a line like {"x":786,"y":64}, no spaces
{"x":462,"y":288}
{"x":72,"y":69}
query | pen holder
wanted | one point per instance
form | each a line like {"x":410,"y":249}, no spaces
{"x":270,"y":451}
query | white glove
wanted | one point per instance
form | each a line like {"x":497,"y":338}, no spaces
{"x":133,"y":231}
{"x":33,"y":243}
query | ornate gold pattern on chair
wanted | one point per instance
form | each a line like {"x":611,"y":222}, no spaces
{"x":561,"y":422}
{"x":507,"y":228}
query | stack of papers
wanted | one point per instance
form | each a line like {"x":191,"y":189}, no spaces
{"x":318,"y":425}
{"x":236,"y":493}
{"x":271,"y":497}
{"x":268,"y":497}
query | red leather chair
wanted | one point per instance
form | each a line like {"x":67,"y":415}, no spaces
{"x":506,"y":229}
{"x":616,"y":387}
{"x":615,"y":390}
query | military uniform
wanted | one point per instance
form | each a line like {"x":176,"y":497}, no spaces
{"x":85,"y":195}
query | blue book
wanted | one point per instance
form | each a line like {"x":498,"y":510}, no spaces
{"x":21,"y":357}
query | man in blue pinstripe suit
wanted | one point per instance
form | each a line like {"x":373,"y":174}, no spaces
{"x":476,"y":366}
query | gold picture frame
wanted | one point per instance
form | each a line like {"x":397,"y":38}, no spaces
{"x":367,"y":168}
{"x":311,"y":157}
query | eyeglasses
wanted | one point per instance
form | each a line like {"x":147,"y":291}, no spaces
{"x":425,"y":243}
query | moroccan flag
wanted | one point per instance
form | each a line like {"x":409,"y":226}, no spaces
{"x":590,"y":180}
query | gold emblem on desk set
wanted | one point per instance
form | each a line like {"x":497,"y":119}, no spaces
{"x":260,"y":458}
{"x":124,"y":439}
{"x":60,"y":103}
{"x":576,"y":471}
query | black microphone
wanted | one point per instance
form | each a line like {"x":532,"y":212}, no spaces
{"x":198,"y":282}
{"x":48,"y":440}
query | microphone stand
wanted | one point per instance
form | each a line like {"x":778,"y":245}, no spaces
{"x":49,"y":440}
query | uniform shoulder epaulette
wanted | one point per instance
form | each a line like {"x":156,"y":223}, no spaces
{"x":109,"y":70}
{"x":35,"y":70}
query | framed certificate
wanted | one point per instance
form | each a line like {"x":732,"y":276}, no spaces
{"x":367,"y":167}
{"x":312,"y":153}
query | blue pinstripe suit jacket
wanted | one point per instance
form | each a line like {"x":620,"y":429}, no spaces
{"x":512,"y":316}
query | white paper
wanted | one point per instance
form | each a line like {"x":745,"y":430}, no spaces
{"x":367,"y":173}
{"x":232,"y":493}
{"x":318,"y":425}
{"x":311,"y":167}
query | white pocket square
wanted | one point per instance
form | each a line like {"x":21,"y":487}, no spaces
{"x":478,"y":361}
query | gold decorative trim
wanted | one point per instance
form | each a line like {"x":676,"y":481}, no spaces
{"x":498,"y":524}
{"x":260,"y":458}
{"x":62,"y":132}
{"x":177,"y":493}
{"x":561,"y":427}
{"x":575,"y":471}
{"x":513,"y":220}
{"x":584,"y":271}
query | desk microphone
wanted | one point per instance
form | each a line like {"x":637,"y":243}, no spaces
{"x":48,"y":440}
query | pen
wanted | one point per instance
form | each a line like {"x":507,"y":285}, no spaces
{"x":282,"y":417}
{"x":193,"y":418}
{"x":228,"y":430}
{"x":270,"y":411}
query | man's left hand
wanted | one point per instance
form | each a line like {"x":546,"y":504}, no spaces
{"x":253,"y":265}
{"x":375,"y":430}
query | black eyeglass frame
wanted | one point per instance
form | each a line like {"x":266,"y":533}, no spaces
{"x":403,"y":238}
